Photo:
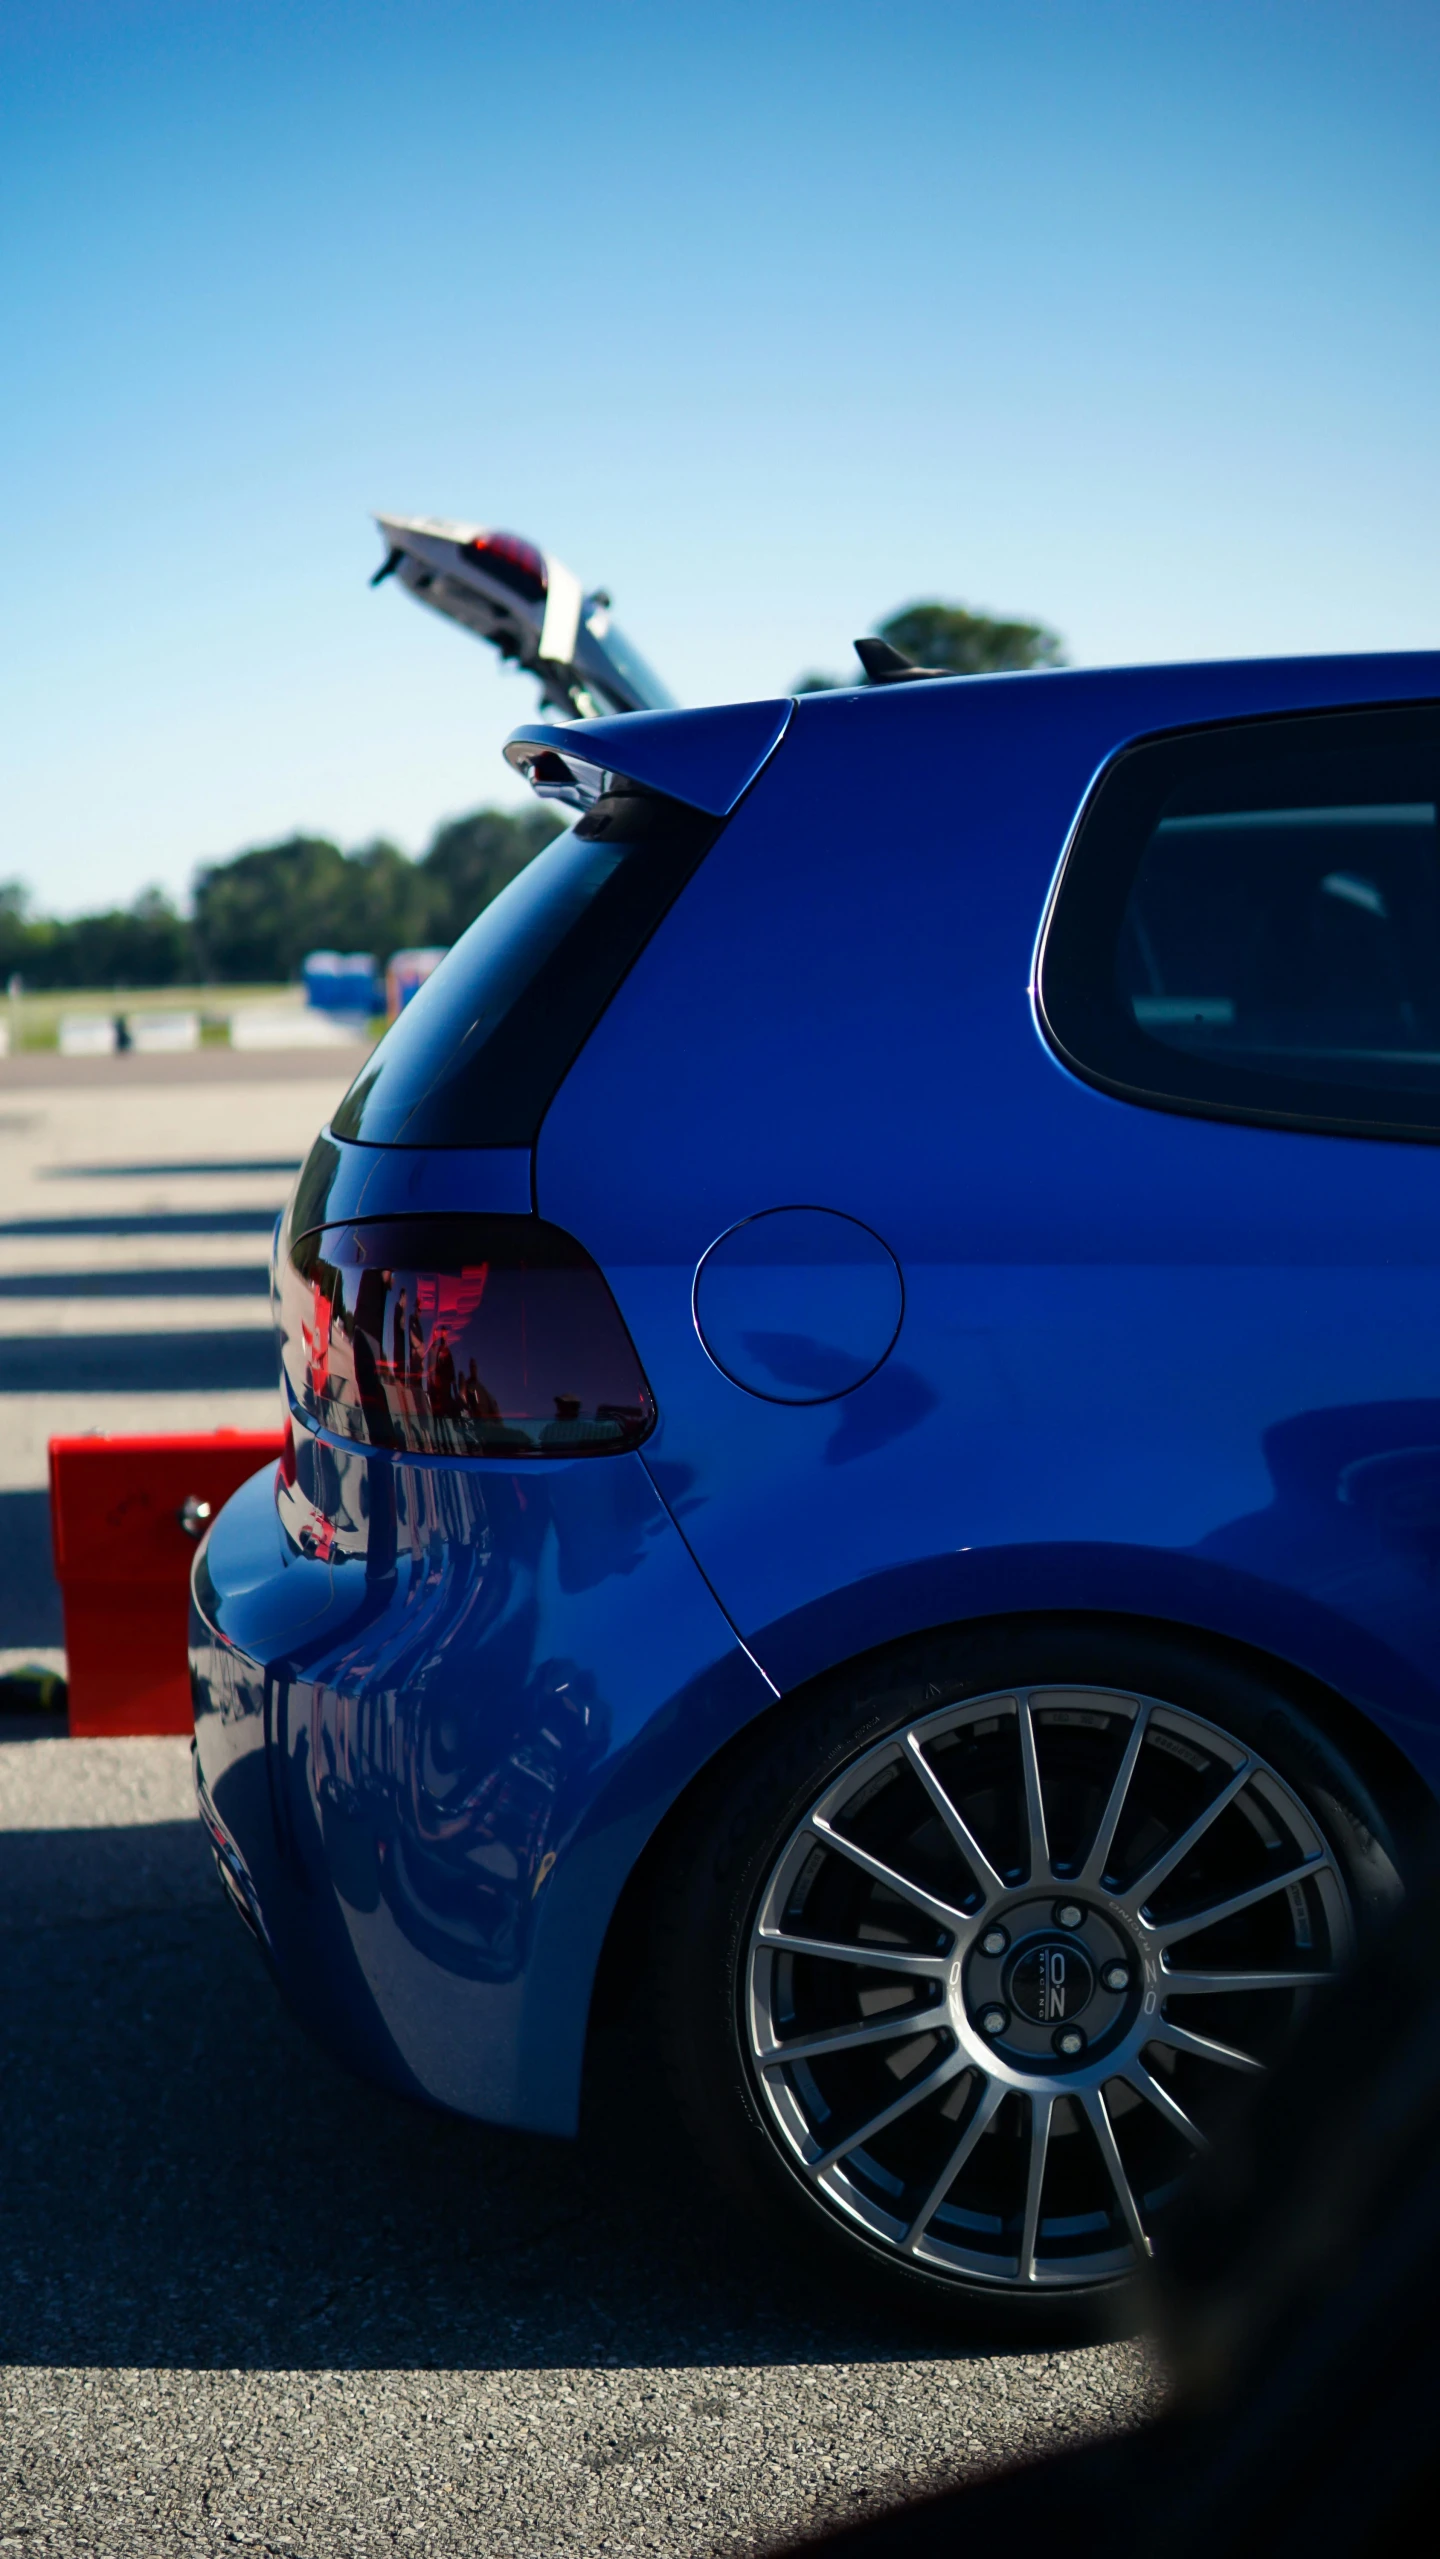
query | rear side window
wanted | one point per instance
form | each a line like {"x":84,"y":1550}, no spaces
{"x":1248,"y":925}
{"x":476,"y":1057}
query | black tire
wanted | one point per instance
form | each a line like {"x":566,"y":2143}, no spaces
{"x":1296,"y":2304}
{"x":723,"y":1852}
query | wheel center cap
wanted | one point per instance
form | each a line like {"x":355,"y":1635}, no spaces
{"x":1051,"y":1980}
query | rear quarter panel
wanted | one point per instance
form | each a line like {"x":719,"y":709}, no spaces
{"x":1142,"y":1355}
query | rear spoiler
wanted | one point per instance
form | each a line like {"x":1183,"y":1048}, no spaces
{"x":706,"y":760}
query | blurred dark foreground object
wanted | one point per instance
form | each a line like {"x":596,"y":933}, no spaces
{"x":1296,"y":2300}
{"x":31,"y":1689}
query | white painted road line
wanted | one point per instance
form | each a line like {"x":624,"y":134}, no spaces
{"x":45,"y":1255}
{"x":29,"y":1422}
{"x":95,"y":1785}
{"x":24,"y":1318}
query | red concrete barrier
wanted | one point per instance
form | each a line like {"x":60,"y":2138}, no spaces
{"x":123,"y":1558}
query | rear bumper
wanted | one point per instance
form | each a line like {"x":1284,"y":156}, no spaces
{"x":428,"y":1760}
{"x":230,"y":1866}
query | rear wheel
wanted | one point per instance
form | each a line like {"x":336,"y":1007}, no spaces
{"x":964,"y":1970}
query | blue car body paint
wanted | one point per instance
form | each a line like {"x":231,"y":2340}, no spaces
{"x":1152,"y":1364}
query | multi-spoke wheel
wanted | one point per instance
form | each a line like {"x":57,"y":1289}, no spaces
{"x":993,"y":1975}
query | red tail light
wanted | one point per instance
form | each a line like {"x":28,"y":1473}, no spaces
{"x":516,"y":563}
{"x":460,"y":1336}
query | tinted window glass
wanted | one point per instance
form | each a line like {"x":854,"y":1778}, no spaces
{"x":476,"y":1056}
{"x":1249,"y":923}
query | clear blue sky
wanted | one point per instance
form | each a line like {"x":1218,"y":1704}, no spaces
{"x":771,"y":318}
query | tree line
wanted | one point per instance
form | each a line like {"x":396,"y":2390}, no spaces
{"x":254,"y":917}
{"x":951,"y":640}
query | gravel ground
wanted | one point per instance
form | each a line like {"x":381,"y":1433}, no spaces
{"x":246,"y":2304}
{"x":249,"y":2305}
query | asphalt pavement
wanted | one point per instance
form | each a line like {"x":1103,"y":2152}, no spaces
{"x":247,"y":2304}
{"x":137,"y":1199}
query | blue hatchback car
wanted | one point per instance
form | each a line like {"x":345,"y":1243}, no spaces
{"x":863,"y":1467}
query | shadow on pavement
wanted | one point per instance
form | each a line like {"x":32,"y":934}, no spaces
{"x":216,"y":1279}
{"x":138,"y":1363}
{"x":30,"y":1610}
{"x":188,"y":2182}
{"x":160,"y":1221}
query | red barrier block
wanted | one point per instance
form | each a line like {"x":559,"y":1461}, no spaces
{"x":123,"y":1558}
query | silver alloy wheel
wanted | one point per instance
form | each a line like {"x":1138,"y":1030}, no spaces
{"x":1008,"y":1961}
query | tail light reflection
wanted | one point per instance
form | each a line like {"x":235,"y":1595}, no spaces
{"x":462,"y":1336}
